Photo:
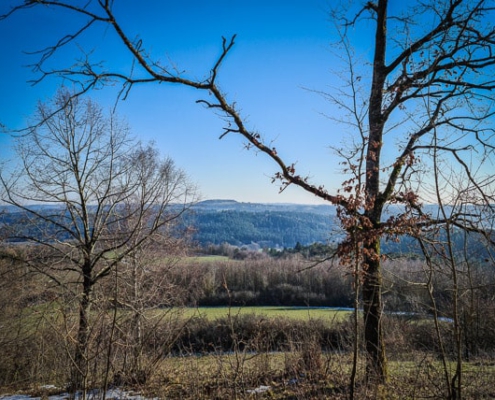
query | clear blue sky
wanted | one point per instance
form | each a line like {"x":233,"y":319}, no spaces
{"x":282,"y":48}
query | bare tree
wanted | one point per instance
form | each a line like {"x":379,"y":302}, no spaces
{"x":427,"y":88}
{"x":90,"y":196}
{"x":444,"y":249}
{"x":143,"y":283}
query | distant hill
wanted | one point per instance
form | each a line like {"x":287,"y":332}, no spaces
{"x":285,"y":225}
{"x":232,"y":205}
{"x":225,"y":221}
{"x":268,"y":225}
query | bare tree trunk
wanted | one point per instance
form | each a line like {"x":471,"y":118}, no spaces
{"x":79,"y":369}
{"x":376,"y":369}
{"x":450,"y":261}
{"x":355,"y":320}
{"x":137,"y":320}
{"x":429,"y":272}
{"x":376,"y":361}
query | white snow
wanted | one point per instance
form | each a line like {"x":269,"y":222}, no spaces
{"x":112,"y":394}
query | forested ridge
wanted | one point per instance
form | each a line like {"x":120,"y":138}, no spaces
{"x":226,"y":221}
{"x":267,"y":229}
{"x":266,"y":226}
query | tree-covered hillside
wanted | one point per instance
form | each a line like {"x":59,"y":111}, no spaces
{"x":267,"y":229}
{"x":214,"y":222}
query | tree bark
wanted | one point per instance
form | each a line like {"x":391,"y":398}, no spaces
{"x":79,"y":369}
{"x":376,"y":361}
{"x":372,"y":283}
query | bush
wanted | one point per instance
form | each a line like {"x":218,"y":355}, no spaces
{"x":251,"y":332}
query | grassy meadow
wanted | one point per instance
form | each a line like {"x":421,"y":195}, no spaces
{"x":295,"y":313}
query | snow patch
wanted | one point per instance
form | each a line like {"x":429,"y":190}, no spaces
{"x":112,"y":394}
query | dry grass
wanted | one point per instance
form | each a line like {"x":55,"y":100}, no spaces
{"x":235,"y":376}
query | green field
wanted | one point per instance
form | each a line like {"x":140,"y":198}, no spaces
{"x":299,"y":313}
{"x":205,"y":259}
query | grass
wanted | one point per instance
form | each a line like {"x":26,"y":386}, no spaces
{"x":289,"y":374}
{"x":205,"y":259}
{"x":229,"y":376}
{"x":297,"y":313}
{"x":236,"y":375}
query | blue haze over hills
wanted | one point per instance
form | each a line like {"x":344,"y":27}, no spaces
{"x":271,"y":225}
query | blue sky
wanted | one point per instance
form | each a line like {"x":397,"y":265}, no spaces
{"x":282,"y":50}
